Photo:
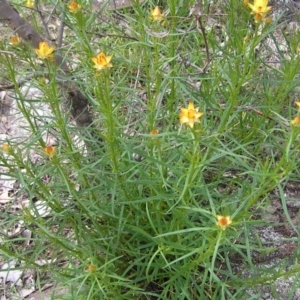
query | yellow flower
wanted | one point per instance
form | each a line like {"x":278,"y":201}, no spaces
{"x":74,"y":7}
{"x":6,"y":148}
{"x":190,"y":115}
{"x":258,"y":18}
{"x":259,"y":8}
{"x":92,"y":268}
{"x":223,"y":222}
{"x":102,"y":61}
{"x":154,"y":131}
{"x":15,"y":40}
{"x":44,"y":51}
{"x":296,"y":121}
{"x":50,"y":150}
{"x":29,"y":3}
{"x":246,"y":38}
{"x":156,"y":14}
{"x":298,"y":104}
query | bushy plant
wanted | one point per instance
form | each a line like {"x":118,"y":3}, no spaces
{"x":158,"y":197}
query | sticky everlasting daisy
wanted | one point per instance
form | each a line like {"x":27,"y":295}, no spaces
{"x":50,"y":150}
{"x":156,"y":14}
{"x":92,"y":268}
{"x":102,"y":61}
{"x":15,"y":40}
{"x":223,"y":222}
{"x":190,"y":115}
{"x":74,"y":7}
{"x":6,"y":148}
{"x":296,"y":121}
{"x":298,"y":104}
{"x":259,"y":9}
{"x":154,"y":131}
{"x":29,"y":3}
{"x":44,"y":51}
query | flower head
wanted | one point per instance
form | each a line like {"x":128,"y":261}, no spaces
{"x":74,"y":7}
{"x":44,"y":51}
{"x":298,"y":104}
{"x":50,"y":150}
{"x":92,"y":268}
{"x":258,"y":17}
{"x":246,"y":38}
{"x":6,"y":148}
{"x":296,"y":121}
{"x":223,"y":222}
{"x":29,"y":3}
{"x":102,"y":61}
{"x":156,"y":14}
{"x":190,"y":115}
{"x":154,"y":131}
{"x":15,"y":40}
{"x":259,"y":8}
